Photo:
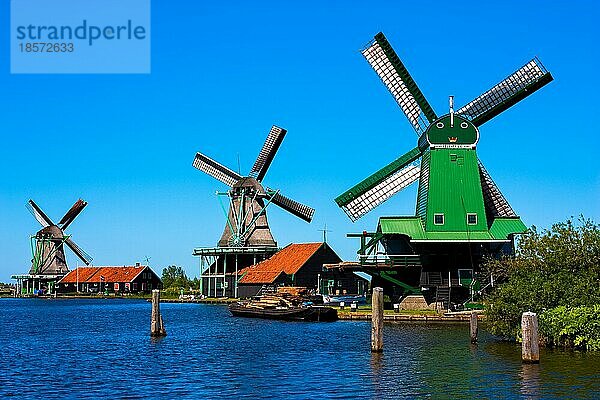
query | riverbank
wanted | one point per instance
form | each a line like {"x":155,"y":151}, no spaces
{"x":410,"y":316}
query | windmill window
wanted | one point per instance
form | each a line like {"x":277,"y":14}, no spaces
{"x":438,"y":219}
{"x":464,"y":125}
{"x":453,"y":157}
{"x":440,"y":125}
{"x":472,"y":219}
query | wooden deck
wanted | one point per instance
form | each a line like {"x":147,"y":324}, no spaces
{"x":399,"y":317}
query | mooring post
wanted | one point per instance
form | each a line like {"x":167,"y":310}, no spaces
{"x":530,"y":350}
{"x":157,"y":327}
{"x":377,"y":320}
{"x":473,"y":327}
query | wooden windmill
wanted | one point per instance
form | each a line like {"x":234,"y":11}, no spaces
{"x":48,"y":243}
{"x":247,"y":224}
{"x":460,"y":212}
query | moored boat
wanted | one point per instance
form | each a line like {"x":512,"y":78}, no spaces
{"x":305,"y":313}
{"x":281,"y":306}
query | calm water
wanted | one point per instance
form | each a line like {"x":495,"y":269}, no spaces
{"x":101,"y":349}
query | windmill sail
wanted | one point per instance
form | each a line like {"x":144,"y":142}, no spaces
{"x":298,"y":209}
{"x":38,"y":214}
{"x":83,"y":256}
{"x":216,"y":170}
{"x":496,"y":204}
{"x":378,"y":187}
{"x":395,"y":76}
{"x":373,"y":197}
{"x":72,"y":214}
{"x":267,"y":153}
{"x":525,"y":81}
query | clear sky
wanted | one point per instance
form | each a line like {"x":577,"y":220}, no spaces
{"x":224,"y":72}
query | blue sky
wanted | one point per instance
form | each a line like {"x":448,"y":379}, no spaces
{"x":222,"y":74}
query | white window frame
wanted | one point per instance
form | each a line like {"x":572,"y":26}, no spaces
{"x":472,"y":214}
{"x":443,"y":218}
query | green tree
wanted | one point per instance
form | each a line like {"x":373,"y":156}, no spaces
{"x":556,"y":267}
{"x":174,"y":277}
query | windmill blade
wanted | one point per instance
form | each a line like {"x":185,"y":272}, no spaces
{"x":395,"y":76}
{"x":83,"y":256}
{"x":495,"y":203}
{"x":298,"y":209}
{"x":381,"y":192}
{"x":526,"y":80}
{"x":364,"y":191}
{"x":72,"y":214}
{"x":39,"y":214}
{"x":267,"y":153}
{"x":216,"y":170}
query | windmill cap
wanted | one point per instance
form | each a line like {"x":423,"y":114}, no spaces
{"x":459,"y":134}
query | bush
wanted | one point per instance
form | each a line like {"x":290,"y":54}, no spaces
{"x":557,"y":267}
{"x":577,"y":327}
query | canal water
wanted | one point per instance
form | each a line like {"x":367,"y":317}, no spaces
{"x":102,"y":349}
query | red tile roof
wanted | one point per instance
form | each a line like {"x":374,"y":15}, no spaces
{"x":288,"y":260}
{"x":108,"y":274}
{"x":257,"y":276}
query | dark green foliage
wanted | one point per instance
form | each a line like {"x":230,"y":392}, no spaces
{"x":577,"y":327}
{"x":174,"y":277}
{"x":557,"y":267}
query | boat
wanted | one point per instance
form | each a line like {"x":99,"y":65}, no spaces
{"x":282,"y":306}
{"x":307,"y":313}
{"x":347,"y":299}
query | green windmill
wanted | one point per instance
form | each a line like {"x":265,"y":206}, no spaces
{"x":461,"y":215}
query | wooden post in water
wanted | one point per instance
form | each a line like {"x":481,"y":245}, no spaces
{"x":530,"y":350}
{"x":377,"y":320}
{"x":473,"y":327}
{"x":157,"y":327}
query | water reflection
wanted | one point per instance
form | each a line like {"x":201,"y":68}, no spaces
{"x":530,"y":381}
{"x":376,"y":363}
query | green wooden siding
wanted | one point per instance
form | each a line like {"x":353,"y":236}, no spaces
{"x":455,"y":191}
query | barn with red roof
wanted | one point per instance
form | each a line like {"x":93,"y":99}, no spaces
{"x":298,"y":264}
{"x":119,"y":280}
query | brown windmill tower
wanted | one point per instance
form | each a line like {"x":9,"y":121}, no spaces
{"x":49,"y":263}
{"x":247,"y":232}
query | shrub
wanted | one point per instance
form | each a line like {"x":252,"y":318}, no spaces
{"x":557,"y":267}
{"x":576,"y":327}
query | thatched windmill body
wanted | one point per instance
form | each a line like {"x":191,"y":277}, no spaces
{"x":247,"y":236}
{"x":48,"y":243}
{"x":247,"y":223}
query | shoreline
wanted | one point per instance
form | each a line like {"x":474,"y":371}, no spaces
{"x":343,"y":315}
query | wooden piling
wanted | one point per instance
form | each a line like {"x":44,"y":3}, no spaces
{"x":530,"y":350}
{"x":157,"y":327}
{"x":473,"y":327}
{"x":377,"y":320}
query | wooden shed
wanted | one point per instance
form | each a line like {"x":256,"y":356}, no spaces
{"x":298,"y":264}
{"x":120,"y":280}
